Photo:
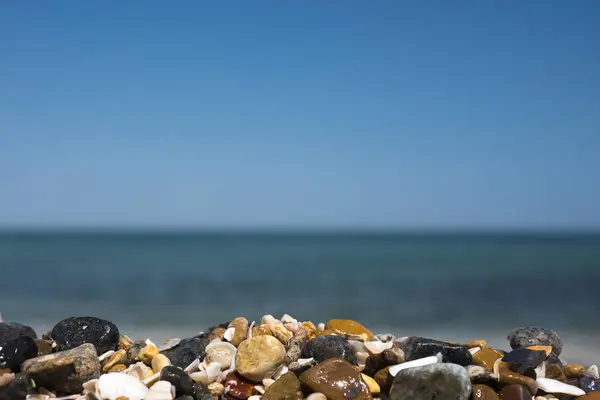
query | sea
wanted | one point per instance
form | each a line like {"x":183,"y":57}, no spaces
{"x":450,"y":286}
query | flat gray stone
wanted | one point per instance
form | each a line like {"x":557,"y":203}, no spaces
{"x":432,"y":382}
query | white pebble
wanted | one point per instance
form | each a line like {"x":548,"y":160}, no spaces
{"x":474,"y":350}
{"x":316,"y":396}
{"x":415,"y":363}
{"x":228,"y":335}
{"x":270,"y":320}
{"x":106,"y":355}
{"x":161,"y":390}
{"x":540,"y":371}
{"x":254,"y":397}
{"x":268,"y":382}
{"x":114,"y":385}
{"x":593,"y":370}
{"x":554,"y":386}
{"x":260,"y":389}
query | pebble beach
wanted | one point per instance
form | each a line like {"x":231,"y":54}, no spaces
{"x":269,"y":358}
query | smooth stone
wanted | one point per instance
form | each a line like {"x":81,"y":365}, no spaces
{"x":19,"y":388}
{"x":116,"y":385}
{"x":554,"y":371}
{"x":285,"y":388}
{"x":73,"y":332}
{"x":509,"y":377}
{"x":487,"y":357}
{"x":44,"y":347}
{"x":147,"y":353}
{"x":12,"y":330}
{"x":384,"y":379}
{"x":134,"y":351}
{"x":237,"y":387}
{"x":216,"y":389}
{"x":437,"y":381}
{"x":65,"y":371}
{"x":515,"y":392}
{"x":316,"y":396}
{"x":322,"y":348}
{"x":588,"y":383}
{"x":161,"y":390}
{"x":159,"y":362}
{"x":125,"y":342}
{"x":371,"y":383}
{"x":240,"y":326}
{"x":221,"y":352}
{"x":184,"y":385}
{"x":217,"y":334}
{"x":337,"y":379}
{"x":14,"y":352}
{"x":419,"y":347}
{"x":259,"y":357}
{"x":117,"y":358}
{"x":525,"y":361}
{"x":187,"y":351}
{"x":573,"y":370}
{"x":554,"y":386}
{"x":348,"y":327}
{"x":118,"y":368}
{"x":534,"y":336}
{"x":483,"y":392}
{"x":296,"y":346}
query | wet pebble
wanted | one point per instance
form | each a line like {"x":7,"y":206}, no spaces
{"x":436,"y":381}
{"x":73,"y":332}
{"x":325,"y":347}
{"x":14,"y":352}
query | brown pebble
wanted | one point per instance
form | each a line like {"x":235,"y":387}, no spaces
{"x":573,"y":371}
{"x":218,"y":333}
{"x":285,"y":388}
{"x":125,"y":342}
{"x":515,"y":392}
{"x":553,"y":371}
{"x":240,"y":326}
{"x":237,"y":387}
{"x":44,"y":347}
{"x":384,"y":379}
{"x":117,"y":358}
{"x":508,"y":377}
{"x":483,"y":392}
{"x":486,"y":358}
{"x":335,"y":378}
{"x":476,"y":343}
{"x":118,"y":368}
{"x":147,"y":353}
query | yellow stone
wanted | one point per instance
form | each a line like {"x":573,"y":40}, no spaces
{"x":216,"y":388}
{"x":240,"y":324}
{"x":573,"y":370}
{"x":486,"y":358}
{"x":547,"y":349}
{"x":371,"y":384}
{"x":118,"y":368}
{"x":259,"y":357}
{"x":348,"y":327}
{"x":147,"y":353}
{"x":125,"y":342}
{"x":261,"y":330}
{"x":476,"y":343}
{"x":117,"y":358}
{"x":281,"y":333}
{"x":159,"y":362}
{"x":310,"y":329}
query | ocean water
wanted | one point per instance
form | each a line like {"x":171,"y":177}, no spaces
{"x":453,"y":286}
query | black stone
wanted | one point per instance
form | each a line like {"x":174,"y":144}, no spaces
{"x":525,"y":361}
{"x":589,"y":383}
{"x":10,"y":331}
{"x":553,"y":359}
{"x":534,"y":336}
{"x":331,"y":346}
{"x":14,"y":352}
{"x":418,"y":347}
{"x":19,"y":388}
{"x":201,"y":392}
{"x":187,"y":351}
{"x":184,"y":385}
{"x":75,"y":331}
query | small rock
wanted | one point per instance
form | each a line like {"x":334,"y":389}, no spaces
{"x":19,"y":388}
{"x":118,"y":368}
{"x":259,"y":357}
{"x":554,"y":386}
{"x":134,"y":351}
{"x":553,"y":371}
{"x":553,"y":359}
{"x":589,"y":383}
{"x":14,"y":352}
{"x":114,"y":386}
{"x":310,"y":329}
{"x":385,"y":337}
{"x":371,"y":383}
{"x":525,"y":361}
{"x":436,"y":381}
{"x":418,"y":347}
{"x":515,"y":392}
{"x":483,"y":392}
{"x":65,"y":371}
{"x":216,"y":389}
{"x":161,"y":390}
{"x":573,"y":371}
{"x":237,"y":388}
{"x":184,"y":385}
{"x":281,"y":333}
{"x":147,"y":353}
{"x":10,"y":331}
{"x":337,"y":379}
{"x":221,"y":352}
{"x":546,"y":349}
{"x":217,"y":334}
{"x":240,"y":326}
{"x":159,"y":362}
{"x":509,"y":377}
{"x":348,"y":327}
{"x":125,"y":342}
{"x":481,"y":376}
{"x":261,"y":330}
{"x":187,"y":351}
{"x":44,"y":347}
{"x":285,"y":388}
{"x":324,"y":347}
{"x":316,"y":396}
{"x":296,"y":346}
{"x":593,"y":371}
{"x":117,"y":358}
{"x":534,"y":336}
{"x":73,"y":332}
{"x":384,"y":379}
{"x":487,"y":358}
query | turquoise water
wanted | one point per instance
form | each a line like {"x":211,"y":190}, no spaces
{"x":387,"y":281}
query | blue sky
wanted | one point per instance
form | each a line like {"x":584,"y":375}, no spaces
{"x":401,"y":114}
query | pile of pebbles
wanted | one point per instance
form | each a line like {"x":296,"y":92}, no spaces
{"x":87,"y":358}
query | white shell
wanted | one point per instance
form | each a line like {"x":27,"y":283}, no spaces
{"x":554,"y":386}
{"x":260,"y":389}
{"x":114,"y":385}
{"x":361,"y":358}
{"x":287,"y":319}
{"x":104,"y":356}
{"x":207,"y":375}
{"x":316,"y":396}
{"x":474,"y":350}
{"x":270,"y":320}
{"x":138,"y":370}
{"x":540,"y":371}
{"x":377,"y":346}
{"x":194,"y":366}
{"x":90,"y":386}
{"x":414,"y":363}
{"x":593,"y":370}
{"x":228,"y":335}
{"x":148,"y":341}
{"x":151,"y":379}
{"x":280,"y":371}
{"x":221,"y":352}
{"x":250,"y":330}
{"x":321,"y":326}
{"x":161,"y":390}
{"x":303,"y":362}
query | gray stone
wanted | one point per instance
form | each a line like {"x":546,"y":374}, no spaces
{"x":534,"y":336}
{"x":65,"y":371}
{"x":10,"y":331}
{"x":432,"y":382}
{"x":296,"y":346}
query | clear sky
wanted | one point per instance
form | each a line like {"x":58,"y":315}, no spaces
{"x":403,"y":113}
